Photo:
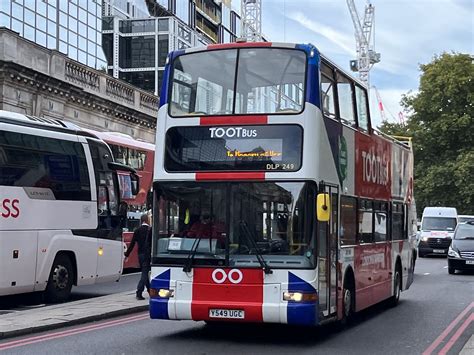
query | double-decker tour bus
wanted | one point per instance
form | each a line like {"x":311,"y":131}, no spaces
{"x":140,"y":156}
{"x":61,"y":211}
{"x":274,"y":198}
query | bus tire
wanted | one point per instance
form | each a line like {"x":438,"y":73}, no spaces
{"x":348,"y":300}
{"x":60,"y":280}
{"x":397,"y":286}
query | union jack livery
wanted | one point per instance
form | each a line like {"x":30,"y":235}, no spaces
{"x":274,"y":198}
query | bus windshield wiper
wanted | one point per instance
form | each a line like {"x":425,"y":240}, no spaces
{"x":246,"y":231}
{"x":188,"y":265}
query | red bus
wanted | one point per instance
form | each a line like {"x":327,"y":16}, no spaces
{"x":275,"y":200}
{"x":140,"y":156}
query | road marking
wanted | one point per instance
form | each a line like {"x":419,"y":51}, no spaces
{"x":445,"y":333}
{"x":426,"y":273}
{"x":75,"y":331}
{"x":456,"y":335}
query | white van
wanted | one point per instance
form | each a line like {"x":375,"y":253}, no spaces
{"x":437,"y":230}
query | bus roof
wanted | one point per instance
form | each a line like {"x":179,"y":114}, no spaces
{"x":122,"y":139}
{"x":235,"y":45}
{"x":50,"y":124}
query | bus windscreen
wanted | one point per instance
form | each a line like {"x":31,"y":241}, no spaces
{"x":250,"y":148}
{"x":238,"y":82}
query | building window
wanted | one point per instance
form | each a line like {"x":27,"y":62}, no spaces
{"x":108,"y":47}
{"x":107,"y":23}
{"x":143,"y":79}
{"x":163,"y":25}
{"x":163,"y":45}
{"x":137,"y":52}
{"x":137,"y":26}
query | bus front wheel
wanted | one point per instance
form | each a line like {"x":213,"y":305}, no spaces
{"x":60,"y":280}
{"x":348,"y":302}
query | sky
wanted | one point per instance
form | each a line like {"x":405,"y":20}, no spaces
{"x":407,"y":33}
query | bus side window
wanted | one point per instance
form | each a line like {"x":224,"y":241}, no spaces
{"x":346,"y":106}
{"x":365,"y":221}
{"x":397,"y":221}
{"x":327,"y":91}
{"x":362,"y":111}
{"x":380,"y":221}
{"x":348,"y":229}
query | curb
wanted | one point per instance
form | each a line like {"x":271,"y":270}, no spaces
{"x":66,"y":323}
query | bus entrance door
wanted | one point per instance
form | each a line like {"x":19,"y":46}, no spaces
{"x":327,"y":257}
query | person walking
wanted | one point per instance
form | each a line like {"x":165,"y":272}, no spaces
{"x":140,"y":237}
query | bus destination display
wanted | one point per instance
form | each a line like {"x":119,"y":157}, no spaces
{"x":249,"y":148}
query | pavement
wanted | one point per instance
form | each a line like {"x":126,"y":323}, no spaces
{"x":71,"y":313}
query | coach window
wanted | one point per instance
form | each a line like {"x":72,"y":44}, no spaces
{"x":348,"y":229}
{"x":346,"y":106}
{"x":398,"y":227}
{"x":327,"y":91}
{"x":380,"y":221}
{"x":362,"y":112}
{"x":365,"y":222}
{"x":46,"y":164}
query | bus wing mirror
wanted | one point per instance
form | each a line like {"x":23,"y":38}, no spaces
{"x":135,"y":180}
{"x":323,"y":207}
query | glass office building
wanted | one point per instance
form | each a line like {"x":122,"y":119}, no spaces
{"x":73,"y":27}
{"x":136,"y":49}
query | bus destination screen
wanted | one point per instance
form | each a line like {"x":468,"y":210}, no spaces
{"x":248,"y":148}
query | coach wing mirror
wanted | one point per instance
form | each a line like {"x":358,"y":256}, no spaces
{"x":323,"y":207}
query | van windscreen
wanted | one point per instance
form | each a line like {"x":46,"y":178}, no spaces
{"x":438,"y":224}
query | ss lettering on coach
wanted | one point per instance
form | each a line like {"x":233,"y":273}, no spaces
{"x":219,"y":276}
{"x":10,"y":208}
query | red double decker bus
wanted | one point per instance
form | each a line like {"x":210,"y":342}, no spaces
{"x":275,"y":200}
{"x":140,"y":156}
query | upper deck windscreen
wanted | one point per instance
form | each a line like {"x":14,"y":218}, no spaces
{"x":238,"y":81}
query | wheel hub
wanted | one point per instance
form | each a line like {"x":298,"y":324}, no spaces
{"x":60,"y":277}
{"x":347,"y":302}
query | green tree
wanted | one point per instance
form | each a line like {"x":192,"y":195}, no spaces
{"x":441,"y":123}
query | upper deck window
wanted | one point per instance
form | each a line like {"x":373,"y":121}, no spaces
{"x":238,"y":81}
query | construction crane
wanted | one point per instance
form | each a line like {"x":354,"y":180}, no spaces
{"x":366,"y":55}
{"x":380,"y":104}
{"x":251,"y":11}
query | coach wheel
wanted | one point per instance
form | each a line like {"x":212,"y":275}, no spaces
{"x":397,"y":288}
{"x":451,"y":270}
{"x":60,"y":280}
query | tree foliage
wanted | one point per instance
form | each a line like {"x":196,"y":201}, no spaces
{"x":441,"y":123}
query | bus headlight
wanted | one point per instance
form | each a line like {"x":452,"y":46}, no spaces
{"x":161,"y":293}
{"x":300,"y":297}
{"x":453,"y":253}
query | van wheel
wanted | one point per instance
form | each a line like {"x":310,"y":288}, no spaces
{"x":60,"y":280}
{"x":451,"y":270}
{"x":397,"y":288}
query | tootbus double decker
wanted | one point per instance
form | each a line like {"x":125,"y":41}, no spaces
{"x":274,"y":198}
